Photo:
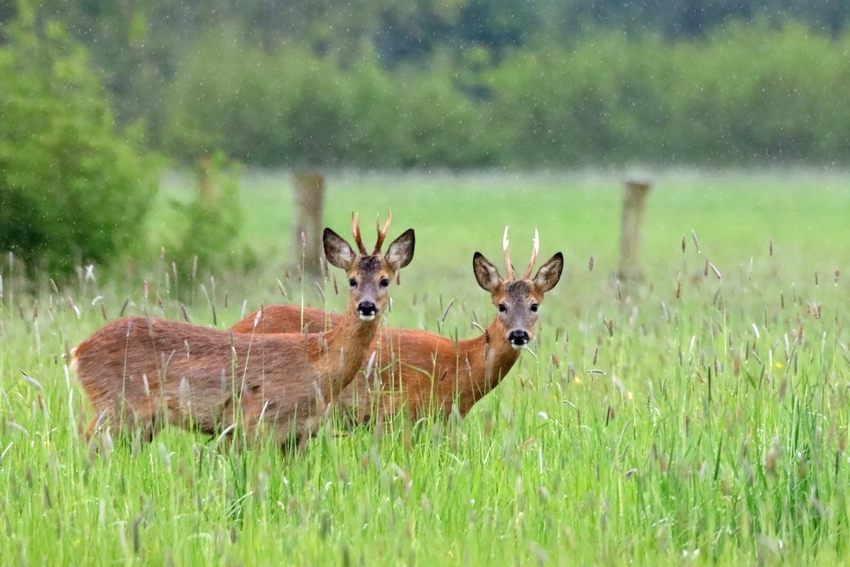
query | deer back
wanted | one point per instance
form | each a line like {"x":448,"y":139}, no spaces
{"x":191,"y":376}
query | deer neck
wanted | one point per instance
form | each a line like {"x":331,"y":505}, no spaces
{"x":345,"y":345}
{"x":491,"y":357}
{"x":500,"y":355}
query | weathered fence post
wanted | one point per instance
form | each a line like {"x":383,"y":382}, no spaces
{"x":205,"y":183}
{"x":634,"y":199}
{"x":309,"y":212}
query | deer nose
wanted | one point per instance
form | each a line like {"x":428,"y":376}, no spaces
{"x":518,"y":338}
{"x":367,"y":310}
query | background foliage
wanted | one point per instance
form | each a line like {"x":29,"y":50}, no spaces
{"x":207,"y":239}
{"x":72,"y":189}
{"x":467,"y":83}
{"x":97,"y":87}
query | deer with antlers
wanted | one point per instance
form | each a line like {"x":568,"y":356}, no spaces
{"x":145,"y":372}
{"x":421,"y":372}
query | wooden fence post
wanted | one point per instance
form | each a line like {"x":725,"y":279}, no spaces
{"x":205,"y":183}
{"x":634,"y":199}
{"x":309,"y":214}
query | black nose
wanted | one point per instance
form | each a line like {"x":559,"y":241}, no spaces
{"x":518,"y":338}
{"x":367,"y":308}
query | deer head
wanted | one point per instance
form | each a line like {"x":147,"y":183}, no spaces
{"x":369,"y":275}
{"x":518,"y":300}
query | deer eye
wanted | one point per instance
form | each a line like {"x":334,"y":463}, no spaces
{"x":385,"y":282}
{"x":352,"y":282}
{"x":534,"y":307}
{"x":503,"y":308}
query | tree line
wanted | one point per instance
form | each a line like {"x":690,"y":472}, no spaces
{"x":389,"y":83}
{"x":95,"y":93}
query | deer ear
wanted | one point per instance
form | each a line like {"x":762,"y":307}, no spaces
{"x":486,"y":273}
{"x":337,"y":250}
{"x":549,"y":273}
{"x":400,"y":252}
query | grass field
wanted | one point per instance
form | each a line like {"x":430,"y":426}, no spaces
{"x":700,"y":417}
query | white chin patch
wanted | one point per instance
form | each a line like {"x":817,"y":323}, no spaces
{"x":367,"y":317}
{"x":518,"y":347}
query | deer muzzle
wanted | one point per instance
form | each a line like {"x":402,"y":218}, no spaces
{"x":518,"y":338}
{"x":367,"y":310}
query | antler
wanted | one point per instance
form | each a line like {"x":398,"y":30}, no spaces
{"x":382,"y":234}
{"x":355,"y":230}
{"x":533,"y":256}
{"x":507,"y":255}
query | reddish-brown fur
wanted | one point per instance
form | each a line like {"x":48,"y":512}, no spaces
{"x":144,"y":372}
{"x":421,"y":372}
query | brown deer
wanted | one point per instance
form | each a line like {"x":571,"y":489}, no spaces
{"x":424,"y":373}
{"x":145,"y":372}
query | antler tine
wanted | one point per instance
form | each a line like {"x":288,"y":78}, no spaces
{"x":507,"y":255}
{"x":355,"y":230}
{"x":533,"y":256}
{"x":382,"y":234}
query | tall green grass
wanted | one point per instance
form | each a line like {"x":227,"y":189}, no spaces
{"x":699,"y":417}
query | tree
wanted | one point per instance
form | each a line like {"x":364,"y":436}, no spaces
{"x":73,"y":188}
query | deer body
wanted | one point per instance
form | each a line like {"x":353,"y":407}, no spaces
{"x":416,"y":370}
{"x":422,"y":372}
{"x":151,"y":371}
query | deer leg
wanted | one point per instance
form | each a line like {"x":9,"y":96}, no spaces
{"x":120,"y":420}
{"x":94,"y":424}
{"x":301,"y":442}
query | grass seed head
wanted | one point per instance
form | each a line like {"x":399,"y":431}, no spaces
{"x":696,"y":242}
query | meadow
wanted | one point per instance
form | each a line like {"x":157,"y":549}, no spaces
{"x":698,"y":417}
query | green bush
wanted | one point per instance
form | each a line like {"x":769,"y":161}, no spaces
{"x":410,"y":118}
{"x":756,"y":93}
{"x":745,"y":93}
{"x":73,"y":190}
{"x":292,"y":107}
{"x":281,"y":108}
{"x":209,"y":237}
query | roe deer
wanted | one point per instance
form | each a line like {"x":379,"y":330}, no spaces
{"x":427,"y":373}
{"x":151,"y":371}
